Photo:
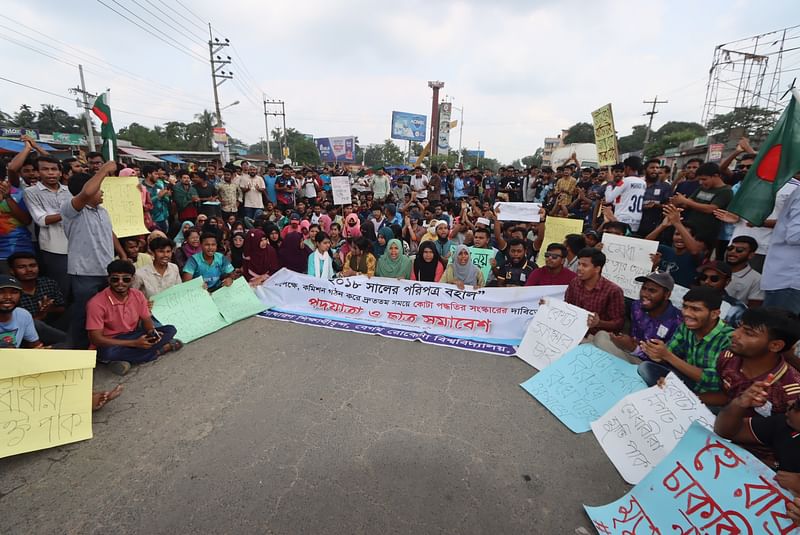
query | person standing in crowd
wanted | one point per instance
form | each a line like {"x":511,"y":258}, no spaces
{"x":699,"y":207}
{"x":627,"y":196}
{"x":656,"y":196}
{"x":693,"y":350}
{"x":41,"y":296}
{"x":207,"y":194}
{"x":285,"y":186}
{"x":230,"y":195}
{"x":427,"y":267}
{"x":380,"y":185}
{"x":186,"y":197}
{"x":160,"y":274}
{"x":14,"y":221}
{"x":595,"y":293}
{"x":686,"y":182}
{"x":781,"y":277}
{"x":159,"y":196}
{"x":253,"y":188}
{"x":462,"y":272}
{"x":419,"y":184}
{"x":745,"y":284}
{"x":91,"y":245}
{"x":215,"y":269}
{"x":653,"y":317}
{"x":554,"y":272}
{"x":44,"y":201}
{"x":120,"y":325}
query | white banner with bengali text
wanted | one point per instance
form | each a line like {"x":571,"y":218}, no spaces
{"x":490,"y":320}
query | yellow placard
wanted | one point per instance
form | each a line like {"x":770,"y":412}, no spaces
{"x":45,"y":398}
{"x":555,"y":228}
{"x":123,"y":200}
{"x":605,"y":136}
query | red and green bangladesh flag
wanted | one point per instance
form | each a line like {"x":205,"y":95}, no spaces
{"x":777,"y":162}
{"x":102,"y":109}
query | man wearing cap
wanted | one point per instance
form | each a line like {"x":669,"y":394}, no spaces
{"x":293,"y":226}
{"x":16,"y":324}
{"x":653,"y":317}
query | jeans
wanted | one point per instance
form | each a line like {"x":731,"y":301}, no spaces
{"x":55,"y":266}
{"x":49,"y":335}
{"x":786,"y":298}
{"x":252,"y":213}
{"x":136,"y":355}
{"x":651,"y":372}
{"x":84,"y":287}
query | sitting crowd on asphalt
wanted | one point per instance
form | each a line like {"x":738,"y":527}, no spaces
{"x":730,"y":334}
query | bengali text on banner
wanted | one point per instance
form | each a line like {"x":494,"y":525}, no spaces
{"x":490,"y":320}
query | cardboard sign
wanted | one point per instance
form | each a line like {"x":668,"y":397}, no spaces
{"x":605,"y":136}
{"x":518,"y":211}
{"x":556,"y":228}
{"x":340,"y":187}
{"x":123,"y":200}
{"x":558,"y":327}
{"x":626,"y":259}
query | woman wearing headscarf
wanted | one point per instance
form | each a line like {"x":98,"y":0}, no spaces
{"x":352,"y":226}
{"x":236,"y":254}
{"x":186,"y":225}
{"x":260,"y":257}
{"x":325,"y":223}
{"x":385,"y":234}
{"x":273,"y":234}
{"x":320,"y":262}
{"x":393,"y":263}
{"x":293,"y":253}
{"x":443,"y":243}
{"x":189,"y":248}
{"x":360,"y":260}
{"x":427,"y":267}
{"x":430,"y":234}
{"x":368,"y":232}
{"x":462,"y":272}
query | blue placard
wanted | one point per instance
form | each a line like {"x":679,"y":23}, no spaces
{"x":706,"y":485}
{"x":408,"y":126}
{"x":582,"y":385}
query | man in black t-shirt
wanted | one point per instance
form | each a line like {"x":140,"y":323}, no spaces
{"x":516,"y":270}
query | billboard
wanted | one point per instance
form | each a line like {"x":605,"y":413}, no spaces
{"x":443,"y":141}
{"x":336,"y":149}
{"x":408,"y":126}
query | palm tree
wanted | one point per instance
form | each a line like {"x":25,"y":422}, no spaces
{"x":200,"y":131}
{"x":25,"y":117}
{"x":52,"y":119}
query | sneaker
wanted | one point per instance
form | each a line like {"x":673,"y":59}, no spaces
{"x":120,"y":367}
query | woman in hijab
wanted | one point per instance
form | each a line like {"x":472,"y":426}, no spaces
{"x":368,"y":232}
{"x":462,"y":271}
{"x":352,"y":227}
{"x":443,"y":243}
{"x":430,"y":234}
{"x":190,"y":247}
{"x":382,"y":240}
{"x":273,"y":234}
{"x":260,"y":257}
{"x":393,"y":263}
{"x":320,"y":262}
{"x":427,"y":267}
{"x":186,"y":225}
{"x":236,"y":254}
{"x":325,"y":223}
{"x":293,"y":253}
{"x":360,"y":260}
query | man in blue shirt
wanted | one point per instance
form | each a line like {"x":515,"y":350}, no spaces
{"x":781,"y":279}
{"x":16,"y":324}
{"x":269,"y":180}
{"x":214,"y":267}
{"x":159,"y":196}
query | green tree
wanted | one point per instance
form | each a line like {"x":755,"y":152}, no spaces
{"x":756,"y":121}
{"x":633,"y":141}
{"x":302,"y":149}
{"x":52,"y":119}
{"x":25,"y":117}
{"x":534,"y":160}
{"x":662,"y":143}
{"x":579,"y":133}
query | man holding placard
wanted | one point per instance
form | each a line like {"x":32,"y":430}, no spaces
{"x":595,"y":293}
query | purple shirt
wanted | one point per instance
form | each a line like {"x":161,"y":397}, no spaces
{"x":646,"y":327}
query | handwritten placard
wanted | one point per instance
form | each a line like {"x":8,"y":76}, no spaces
{"x":706,"y":485}
{"x":518,"y":211}
{"x":582,"y":385}
{"x":45,"y":398}
{"x":123,"y":200}
{"x":340,"y":187}
{"x":557,"y":328}
{"x":605,"y":136}
{"x":189,"y":308}
{"x":626,"y":259}
{"x":237,"y":301}
{"x":644,"y":427}
{"x":556,"y":228}
{"x":481,"y":258}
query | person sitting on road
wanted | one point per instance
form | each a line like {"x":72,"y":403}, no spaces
{"x":120,"y":325}
{"x":553,"y":272}
{"x":462,"y":272}
{"x":161,"y":274}
{"x":516,"y":270}
{"x":16,"y":324}
{"x":393,"y":263}
{"x":360,"y":260}
{"x":426,"y":266}
{"x":595,"y":293}
{"x":41,"y":296}
{"x":215,"y":268}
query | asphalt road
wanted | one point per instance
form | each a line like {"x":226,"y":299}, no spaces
{"x":270,"y":427}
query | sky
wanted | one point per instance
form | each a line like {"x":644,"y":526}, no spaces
{"x":520,"y":69}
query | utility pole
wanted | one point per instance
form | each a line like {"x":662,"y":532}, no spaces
{"x":436,"y":86}
{"x":266,"y":127}
{"x":651,"y":113}
{"x":218,"y":77}
{"x":282,"y":113}
{"x":86,"y":108}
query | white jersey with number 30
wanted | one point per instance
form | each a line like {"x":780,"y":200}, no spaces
{"x":628,"y":209}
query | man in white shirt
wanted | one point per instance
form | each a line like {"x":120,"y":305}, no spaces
{"x":253,"y":188}
{"x":627,"y":195}
{"x":44,"y":200}
{"x":745,"y":282}
{"x":419,"y":183}
{"x":160,"y":274}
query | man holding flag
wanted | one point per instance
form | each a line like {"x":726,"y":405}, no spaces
{"x":777,"y":163}
{"x":102,"y":110}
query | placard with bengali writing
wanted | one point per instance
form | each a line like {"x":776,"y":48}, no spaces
{"x":707,"y":485}
{"x":626,"y":259}
{"x":557,"y":328}
{"x":605,"y":136}
{"x":123,"y":200}
{"x":644,"y":427}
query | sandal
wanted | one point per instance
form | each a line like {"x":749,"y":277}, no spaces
{"x":172,"y":345}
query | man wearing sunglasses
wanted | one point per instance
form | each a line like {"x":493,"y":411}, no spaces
{"x":717,"y":275}
{"x":553,"y":272}
{"x":745,"y":282}
{"x":120,"y":325}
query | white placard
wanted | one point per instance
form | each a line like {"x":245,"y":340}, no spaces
{"x":556,"y":328}
{"x":626,"y":259}
{"x":642,"y":428}
{"x":518,"y":211}
{"x":340,"y":186}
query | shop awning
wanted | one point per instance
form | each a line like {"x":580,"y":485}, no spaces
{"x":17,"y":146}
{"x":139,"y":154}
{"x":171,"y":158}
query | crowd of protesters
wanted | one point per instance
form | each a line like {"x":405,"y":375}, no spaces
{"x":70,"y":282}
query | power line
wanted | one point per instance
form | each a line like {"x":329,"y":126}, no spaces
{"x":202,"y":27}
{"x":170,"y":26}
{"x":167,"y":34}
{"x":180,"y":48}
{"x":191,"y":12}
{"x":37,"y":89}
